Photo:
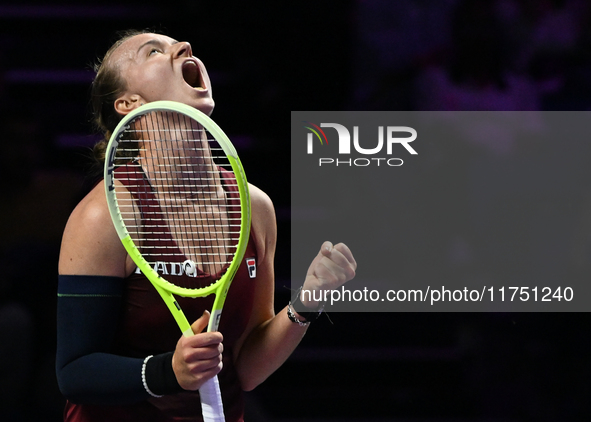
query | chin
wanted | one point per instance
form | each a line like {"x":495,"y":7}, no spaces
{"x":206,"y":106}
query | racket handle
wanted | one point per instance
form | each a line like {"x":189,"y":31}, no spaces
{"x":211,"y":401}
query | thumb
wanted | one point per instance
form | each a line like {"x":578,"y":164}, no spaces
{"x":199,"y":325}
{"x":326,"y":248}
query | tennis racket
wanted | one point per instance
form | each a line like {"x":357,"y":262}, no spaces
{"x":178,"y":196}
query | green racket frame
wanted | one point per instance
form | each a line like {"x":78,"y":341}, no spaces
{"x":164,"y":288}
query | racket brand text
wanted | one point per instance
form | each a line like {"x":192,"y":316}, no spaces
{"x":187,"y":268}
{"x":111,"y":169}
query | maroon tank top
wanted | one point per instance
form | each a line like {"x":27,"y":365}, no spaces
{"x":147,"y":328}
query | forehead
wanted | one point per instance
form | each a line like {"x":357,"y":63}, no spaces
{"x":129,"y":48}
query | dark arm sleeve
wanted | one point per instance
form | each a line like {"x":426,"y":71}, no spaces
{"x":87,"y":316}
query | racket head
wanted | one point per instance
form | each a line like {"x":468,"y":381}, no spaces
{"x":178,"y":187}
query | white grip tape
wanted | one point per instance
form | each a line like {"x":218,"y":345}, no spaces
{"x":211,"y":401}
{"x":214,"y":320}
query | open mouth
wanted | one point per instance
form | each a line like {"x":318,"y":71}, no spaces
{"x":192,"y":74}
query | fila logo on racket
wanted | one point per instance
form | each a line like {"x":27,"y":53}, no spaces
{"x":344,"y":144}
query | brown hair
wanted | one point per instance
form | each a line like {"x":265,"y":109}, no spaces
{"x":106,"y":88}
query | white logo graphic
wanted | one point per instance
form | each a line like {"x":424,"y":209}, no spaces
{"x":190,"y":268}
{"x":385,"y":137}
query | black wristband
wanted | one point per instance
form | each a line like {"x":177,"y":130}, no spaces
{"x":302,"y":311}
{"x":160,"y":376}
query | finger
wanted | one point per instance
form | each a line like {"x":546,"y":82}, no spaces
{"x":203,"y":365}
{"x":331,"y":274}
{"x":339,"y":264}
{"x":207,"y":369}
{"x":199,"y":325}
{"x":339,"y":253}
{"x":203,"y":353}
{"x":208,"y":339}
{"x":337,"y":258}
{"x":346,"y":252}
{"x":199,"y":373}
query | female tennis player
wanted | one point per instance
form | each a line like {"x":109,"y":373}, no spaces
{"x":120,"y":354}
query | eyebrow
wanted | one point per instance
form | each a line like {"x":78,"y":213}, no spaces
{"x":155,"y":42}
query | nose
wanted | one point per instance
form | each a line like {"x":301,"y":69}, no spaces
{"x":183,"y":49}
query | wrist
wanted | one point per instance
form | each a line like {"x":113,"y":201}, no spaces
{"x":303,"y":309}
{"x":158,"y":375}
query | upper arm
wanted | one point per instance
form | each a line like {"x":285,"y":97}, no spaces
{"x":264,"y":228}
{"x":90,"y":244}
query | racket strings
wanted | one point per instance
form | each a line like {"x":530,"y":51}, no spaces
{"x":184,"y":208}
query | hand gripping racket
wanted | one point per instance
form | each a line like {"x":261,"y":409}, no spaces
{"x":178,"y":198}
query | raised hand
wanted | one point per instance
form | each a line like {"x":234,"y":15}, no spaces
{"x":330,"y":269}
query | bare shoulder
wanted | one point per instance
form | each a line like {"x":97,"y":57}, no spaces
{"x":90,"y":245}
{"x":263,"y":221}
{"x":261,"y":203}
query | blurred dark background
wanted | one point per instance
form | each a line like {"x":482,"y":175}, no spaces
{"x":265,"y":59}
